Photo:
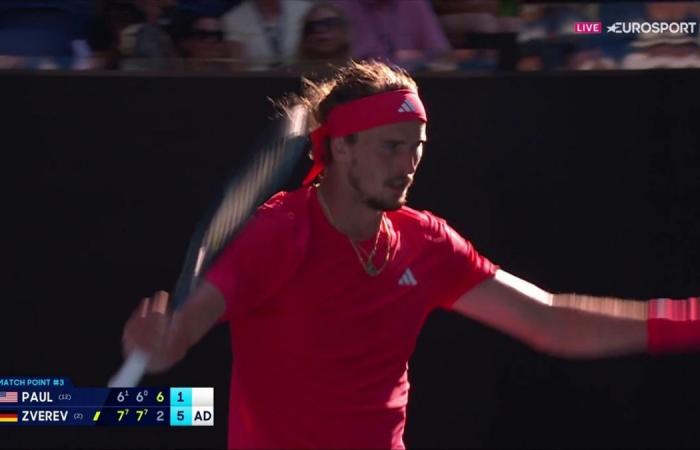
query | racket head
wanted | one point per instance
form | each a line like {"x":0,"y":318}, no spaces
{"x":269,"y":165}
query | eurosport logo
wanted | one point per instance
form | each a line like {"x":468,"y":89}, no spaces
{"x":636,"y":27}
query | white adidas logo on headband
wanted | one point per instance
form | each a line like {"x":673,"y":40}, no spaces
{"x":406,"y":107}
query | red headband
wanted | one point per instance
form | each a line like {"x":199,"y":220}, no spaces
{"x":373,"y":111}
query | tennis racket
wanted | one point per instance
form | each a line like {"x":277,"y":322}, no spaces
{"x":271,"y":162}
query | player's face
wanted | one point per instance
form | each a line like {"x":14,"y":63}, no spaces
{"x":383,"y":162}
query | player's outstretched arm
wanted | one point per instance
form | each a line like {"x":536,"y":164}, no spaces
{"x":166,"y":336}
{"x":575,"y":326}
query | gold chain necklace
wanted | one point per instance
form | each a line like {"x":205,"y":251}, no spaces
{"x":368,"y":266}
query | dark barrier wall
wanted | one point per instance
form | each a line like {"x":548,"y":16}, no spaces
{"x":584,"y":183}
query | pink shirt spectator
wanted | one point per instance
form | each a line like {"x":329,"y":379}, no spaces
{"x":384,"y":29}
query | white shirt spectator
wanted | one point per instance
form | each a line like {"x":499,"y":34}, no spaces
{"x":264,"y":43}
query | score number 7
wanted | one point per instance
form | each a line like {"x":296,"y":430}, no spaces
{"x":140,"y":413}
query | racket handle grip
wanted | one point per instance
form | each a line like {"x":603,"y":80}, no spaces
{"x":131,"y":371}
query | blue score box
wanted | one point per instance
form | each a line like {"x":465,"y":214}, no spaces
{"x":191,"y":406}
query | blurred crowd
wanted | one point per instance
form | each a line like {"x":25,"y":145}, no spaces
{"x":308,"y":36}
{"x":547,"y":40}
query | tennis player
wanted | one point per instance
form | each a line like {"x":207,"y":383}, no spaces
{"x":327,"y":286}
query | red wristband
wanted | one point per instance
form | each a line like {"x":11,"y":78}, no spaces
{"x":673,"y":326}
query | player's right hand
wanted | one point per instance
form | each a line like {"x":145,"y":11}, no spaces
{"x":150,"y":328}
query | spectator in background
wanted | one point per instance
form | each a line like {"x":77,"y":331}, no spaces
{"x":199,"y":40}
{"x":476,"y":29}
{"x":38,"y":34}
{"x":603,"y":51}
{"x":547,"y":40}
{"x":265,"y":33}
{"x":403,"y":32}
{"x":325,"y":40}
{"x":666,"y":50}
{"x":123,"y":36}
{"x":591,"y":59}
{"x":478,"y":16}
{"x":214,"y":8}
{"x":154,"y":9}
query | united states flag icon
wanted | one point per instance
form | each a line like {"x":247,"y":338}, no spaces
{"x":8,"y":397}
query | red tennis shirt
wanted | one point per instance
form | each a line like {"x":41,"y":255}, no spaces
{"x":320,"y":348}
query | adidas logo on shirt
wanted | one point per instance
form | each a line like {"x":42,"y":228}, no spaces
{"x":406,"y":107}
{"x":407,"y":279}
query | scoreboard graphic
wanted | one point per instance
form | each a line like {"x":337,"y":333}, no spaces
{"x":54,"y":401}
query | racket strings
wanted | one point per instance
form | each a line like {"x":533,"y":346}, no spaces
{"x":244,"y":194}
{"x":271,"y":166}
{"x":272,"y":162}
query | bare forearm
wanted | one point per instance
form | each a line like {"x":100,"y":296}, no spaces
{"x":626,"y":326}
{"x":608,"y":306}
{"x":190,"y":323}
{"x":577,"y":329}
{"x":579,"y":326}
{"x":201,"y":311}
